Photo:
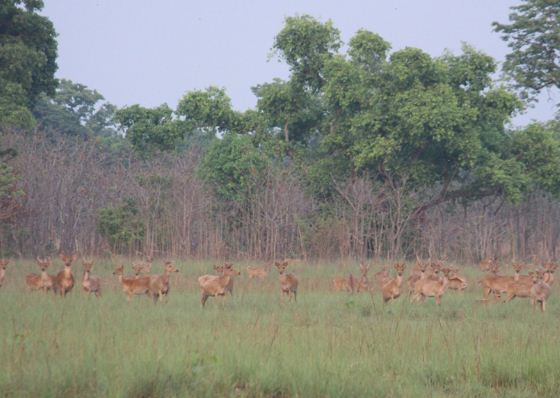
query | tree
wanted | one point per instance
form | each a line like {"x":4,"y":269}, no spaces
{"x":305,"y":44}
{"x":534,"y":38}
{"x":75,"y":110}
{"x":28,"y":51}
{"x":149,"y":129}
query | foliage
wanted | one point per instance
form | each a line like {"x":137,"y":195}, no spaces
{"x":28,"y":51}
{"x":232,"y":167}
{"x":533,"y":36}
{"x":149,"y":129}
{"x":121,"y":225}
{"x":75,"y":110}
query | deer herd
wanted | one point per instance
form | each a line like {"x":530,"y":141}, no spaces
{"x":426,"y":279}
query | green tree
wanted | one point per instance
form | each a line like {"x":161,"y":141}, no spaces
{"x":533,"y":36}
{"x":305,"y":44}
{"x":149,"y":129}
{"x":28,"y":51}
{"x":75,"y":110}
{"x":122,"y":225}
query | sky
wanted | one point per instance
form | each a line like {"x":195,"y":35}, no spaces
{"x":152,"y":52}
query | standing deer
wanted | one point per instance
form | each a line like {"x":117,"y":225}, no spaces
{"x":159,"y":285}
{"x":392,"y":288}
{"x":428,"y":287}
{"x":90,"y":283}
{"x":132,"y":285}
{"x":341,"y":283}
{"x":64,"y":280}
{"x":288,"y":281}
{"x":143,"y":267}
{"x":216,"y":285}
{"x":549,"y":273}
{"x":540,"y":290}
{"x":3,"y":265}
{"x":42,"y":281}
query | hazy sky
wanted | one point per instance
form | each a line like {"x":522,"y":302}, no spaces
{"x":150,"y":52}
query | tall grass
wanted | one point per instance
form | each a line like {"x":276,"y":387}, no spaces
{"x":325,"y":345}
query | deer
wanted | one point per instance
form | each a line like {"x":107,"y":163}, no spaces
{"x":549,"y":273}
{"x":382,"y":277}
{"x":64,"y":280}
{"x":520,"y":287}
{"x":288,"y":281}
{"x":143,"y":267}
{"x":392,"y":288}
{"x":134,"y":285}
{"x":362,"y":284}
{"x":90,"y":284}
{"x":217,"y":285}
{"x":540,"y":290}
{"x":488,"y":264}
{"x":159,"y":285}
{"x":456,"y":281}
{"x":341,"y":283}
{"x":257,"y":272}
{"x":3,"y":266}
{"x":43,"y":281}
{"x":428,"y":287}
{"x":494,"y":283}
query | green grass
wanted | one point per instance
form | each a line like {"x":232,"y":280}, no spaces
{"x":326,"y":345}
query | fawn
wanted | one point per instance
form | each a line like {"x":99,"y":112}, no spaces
{"x":132,"y":285}
{"x":392,"y":288}
{"x":43,"y":281}
{"x":257,"y":272}
{"x":159,"y":285}
{"x":288,"y":281}
{"x":90,"y":283}
{"x":3,"y":265}
{"x":540,"y":290}
{"x":64,"y":280}
{"x":217,"y":285}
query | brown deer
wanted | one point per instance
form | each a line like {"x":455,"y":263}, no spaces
{"x":361,"y":284}
{"x":416,"y":274}
{"x":3,"y":266}
{"x":392,"y":288}
{"x":257,"y":272}
{"x":41,"y":281}
{"x":64,"y":280}
{"x":456,"y":281}
{"x":488,"y":264}
{"x":159,"y":285}
{"x":132,"y":285}
{"x":382,"y":277}
{"x":143,"y":267}
{"x":428,"y":287}
{"x":520,"y":287}
{"x":216,"y":285}
{"x":540,"y":290}
{"x":341,"y":283}
{"x":288,"y":281}
{"x":90,"y":283}
{"x":495,"y":284}
{"x":549,"y":273}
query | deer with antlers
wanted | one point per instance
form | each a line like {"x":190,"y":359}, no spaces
{"x":288,"y":281}
{"x":64,"y":280}
{"x":392,"y":288}
{"x":41,"y":281}
{"x":134,"y":285}
{"x":90,"y":284}
{"x":3,"y":265}
{"x":217,"y":285}
{"x":159,"y":285}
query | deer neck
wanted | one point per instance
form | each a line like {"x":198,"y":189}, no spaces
{"x":67,"y":271}
{"x":398,"y":280}
{"x":86,"y":276}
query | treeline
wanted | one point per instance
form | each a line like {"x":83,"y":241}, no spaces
{"x":363,"y":153}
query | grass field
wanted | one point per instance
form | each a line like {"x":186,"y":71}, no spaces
{"x":325,"y":345}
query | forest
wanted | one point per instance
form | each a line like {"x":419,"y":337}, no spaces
{"x":361,"y":153}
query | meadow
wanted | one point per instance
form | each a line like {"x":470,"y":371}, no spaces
{"x":328,"y":344}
